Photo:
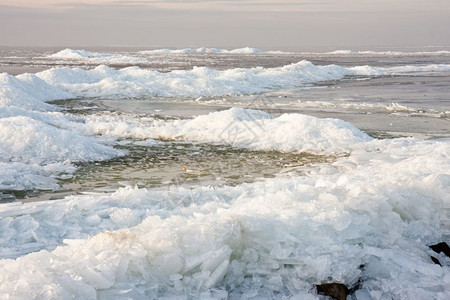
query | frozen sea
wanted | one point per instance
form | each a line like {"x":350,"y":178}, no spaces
{"x":206,"y":173}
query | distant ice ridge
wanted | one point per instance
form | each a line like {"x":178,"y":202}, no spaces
{"x":201,"y":81}
{"x":367,"y":217}
{"x":96,"y":57}
{"x":203,"y":50}
{"x":388,"y":53}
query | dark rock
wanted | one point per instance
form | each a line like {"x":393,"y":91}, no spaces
{"x":441,"y":247}
{"x":435,"y":260}
{"x":335,"y":290}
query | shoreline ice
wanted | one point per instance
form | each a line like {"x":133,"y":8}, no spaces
{"x":364,"y":219}
{"x":299,"y":231}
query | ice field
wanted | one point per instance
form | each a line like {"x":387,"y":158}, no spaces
{"x":212,"y":174}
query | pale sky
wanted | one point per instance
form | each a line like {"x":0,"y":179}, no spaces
{"x":225,"y":23}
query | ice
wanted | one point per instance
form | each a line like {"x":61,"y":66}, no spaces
{"x":122,"y":125}
{"x":29,"y":141}
{"x":83,"y":55}
{"x":201,"y":81}
{"x":97,"y":57}
{"x":250,"y":50}
{"x":204,"y":50}
{"x":375,"y":71}
{"x":29,"y":92}
{"x":33,"y":152}
{"x":124,"y":217}
{"x":238,"y":127}
{"x":69,"y":53}
{"x":386,"y":53}
{"x":37,"y":141}
{"x":378,"y":208}
{"x":36,"y":147}
{"x":260,"y":131}
{"x":20,"y":176}
{"x":341,"y":52}
{"x":366,"y":217}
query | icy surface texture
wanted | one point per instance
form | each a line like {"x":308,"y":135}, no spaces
{"x":368,"y":217}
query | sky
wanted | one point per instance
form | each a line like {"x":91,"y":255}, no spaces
{"x":266,"y":24}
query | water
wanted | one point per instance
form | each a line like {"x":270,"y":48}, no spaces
{"x":205,"y":195}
